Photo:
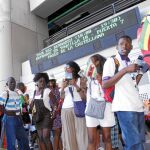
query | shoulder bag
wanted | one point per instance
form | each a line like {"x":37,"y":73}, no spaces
{"x":2,"y":107}
{"x":95,"y":108}
{"x":79,"y":106}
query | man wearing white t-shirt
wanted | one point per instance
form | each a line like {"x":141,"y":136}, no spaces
{"x":126,"y":102}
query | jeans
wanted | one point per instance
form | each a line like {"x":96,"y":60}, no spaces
{"x":133,"y":129}
{"x":15,"y":130}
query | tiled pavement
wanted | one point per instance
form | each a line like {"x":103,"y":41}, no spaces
{"x":146,"y":145}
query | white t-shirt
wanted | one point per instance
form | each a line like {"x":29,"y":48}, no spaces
{"x":46,"y":99}
{"x":126,"y":96}
{"x":68,"y":100}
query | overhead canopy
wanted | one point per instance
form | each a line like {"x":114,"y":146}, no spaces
{"x":44,"y":8}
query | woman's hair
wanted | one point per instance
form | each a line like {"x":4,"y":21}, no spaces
{"x":75,"y":68}
{"x":54,"y":81}
{"x":102,"y":60}
{"x":41,"y":75}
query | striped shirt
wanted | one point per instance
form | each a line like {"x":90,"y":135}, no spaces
{"x":13,"y":103}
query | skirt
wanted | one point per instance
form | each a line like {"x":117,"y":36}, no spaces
{"x":74,"y":131}
{"x":45,"y":123}
{"x":45,"y":118}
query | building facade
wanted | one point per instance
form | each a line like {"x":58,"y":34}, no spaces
{"x":24,"y":27}
{"x":21,"y":34}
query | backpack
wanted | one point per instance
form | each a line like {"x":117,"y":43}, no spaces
{"x":109,"y":92}
{"x":2,"y":107}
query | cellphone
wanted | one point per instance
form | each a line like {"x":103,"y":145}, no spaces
{"x":81,"y":73}
{"x":68,"y":76}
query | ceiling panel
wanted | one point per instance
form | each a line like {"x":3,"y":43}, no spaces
{"x":48,"y":7}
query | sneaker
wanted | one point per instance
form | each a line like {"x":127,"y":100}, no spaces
{"x":31,"y":145}
{"x":100,"y":148}
{"x":36,"y":146}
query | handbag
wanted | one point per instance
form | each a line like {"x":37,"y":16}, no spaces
{"x":37,"y":116}
{"x":79,"y":106}
{"x":95,"y":108}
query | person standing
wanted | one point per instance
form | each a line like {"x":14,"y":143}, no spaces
{"x":12,"y":117}
{"x":41,"y":112}
{"x":53,"y":95}
{"x":95,"y":91}
{"x":21,"y":89}
{"x":126,"y":102}
{"x":74,"y":131}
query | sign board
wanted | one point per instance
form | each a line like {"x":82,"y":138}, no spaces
{"x":92,"y":39}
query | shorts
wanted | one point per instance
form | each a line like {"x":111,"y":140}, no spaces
{"x":107,"y":121}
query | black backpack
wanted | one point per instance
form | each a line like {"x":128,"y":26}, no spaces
{"x":2,"y":107}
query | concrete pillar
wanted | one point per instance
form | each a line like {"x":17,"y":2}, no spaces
{"x":6,"y":64}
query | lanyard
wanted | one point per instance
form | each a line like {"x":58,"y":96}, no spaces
{"x":133,"y":77}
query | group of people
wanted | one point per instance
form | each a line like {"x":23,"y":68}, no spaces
{"x":21,"y":115}
{"x":57,"y":108}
